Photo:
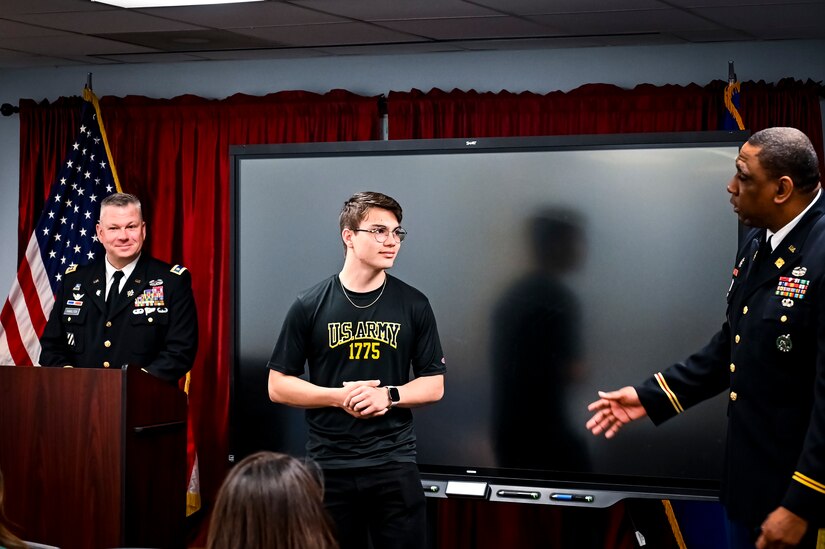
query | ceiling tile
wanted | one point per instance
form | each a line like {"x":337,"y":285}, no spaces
{"x":109,"y":21}
{"x":500,"y":26}
{"x":393,"y":49}
{"x":13,"y":7}
{"x":382,"y":10}
{"x":154,"y":57}
{"x":263,"y":53}
{"x":625,"y":22}
{"x":68,"y":45}
{"x":11,"y":29}
{"x":537,"y":7}
{"x":253,"y":14}
{"x":330,"y":34}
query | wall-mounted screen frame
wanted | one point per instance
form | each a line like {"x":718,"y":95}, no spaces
{"x":556,"y":266}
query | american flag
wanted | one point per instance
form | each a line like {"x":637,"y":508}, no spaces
{"x":64,"y":236}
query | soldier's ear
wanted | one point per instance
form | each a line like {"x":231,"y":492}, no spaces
{"x":784,"y":189}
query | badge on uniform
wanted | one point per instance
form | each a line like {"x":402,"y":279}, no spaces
{"x":74,"y":303}
{"x":784,"y":343}
{"x":799,"y":271}
{"x":787,"y":302}
{"x":156,"y":282}
{"x":792,"y":287}
{"x":76,"y":287}
{"x":78,"y":296}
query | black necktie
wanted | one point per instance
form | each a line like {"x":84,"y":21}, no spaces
{"x":114,"y":291}
{"x":765,"y":250}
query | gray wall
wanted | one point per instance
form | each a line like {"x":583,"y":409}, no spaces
{"x":537,"y":71}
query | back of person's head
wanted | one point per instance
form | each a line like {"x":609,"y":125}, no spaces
{"x":270,"y":501}
{"x":787,"y":152}
{"x":7,"y":539}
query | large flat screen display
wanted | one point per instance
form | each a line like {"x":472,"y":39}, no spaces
{"x":556,"y":267}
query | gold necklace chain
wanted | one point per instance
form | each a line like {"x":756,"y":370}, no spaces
{"x":383,"y":286}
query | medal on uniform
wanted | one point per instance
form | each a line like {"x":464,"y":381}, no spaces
{"x":784,"y":343}
{"x":795,"y":288}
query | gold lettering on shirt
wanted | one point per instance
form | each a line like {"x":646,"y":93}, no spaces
{"x":341,"y":333}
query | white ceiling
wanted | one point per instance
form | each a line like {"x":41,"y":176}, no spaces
{"x":38,"y":33}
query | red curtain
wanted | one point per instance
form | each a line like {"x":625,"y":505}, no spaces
{"x":46,"y":131}
{"x":603,"y":108}
{"x":174,"y":154}
{"x":589,"y":109}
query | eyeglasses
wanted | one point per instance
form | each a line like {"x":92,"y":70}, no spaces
{"x":381,"y":233}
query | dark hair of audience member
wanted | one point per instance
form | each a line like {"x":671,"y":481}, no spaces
{"x":270,"y":501}
{"x":7,"y":539}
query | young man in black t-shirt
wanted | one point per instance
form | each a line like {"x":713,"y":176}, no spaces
{"x":361,"y":332}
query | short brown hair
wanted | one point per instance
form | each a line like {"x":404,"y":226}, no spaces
{"x":270,"y":501}
{"x":356,"y":207}
{"x":121,"y":200}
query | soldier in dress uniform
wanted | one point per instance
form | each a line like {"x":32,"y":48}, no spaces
{"x":127,"y":308}
{"x":769,"y":355}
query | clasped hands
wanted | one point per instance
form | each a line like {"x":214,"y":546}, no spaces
{"x":365,"y":399}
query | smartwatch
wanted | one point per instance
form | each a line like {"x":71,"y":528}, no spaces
{"x":392,"y":393}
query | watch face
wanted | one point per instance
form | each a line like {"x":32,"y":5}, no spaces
{"x":394,"y":396}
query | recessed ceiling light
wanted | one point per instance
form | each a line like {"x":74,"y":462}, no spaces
{"x":167,"y":3}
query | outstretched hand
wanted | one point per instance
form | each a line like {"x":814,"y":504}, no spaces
{"x":613,"y":410}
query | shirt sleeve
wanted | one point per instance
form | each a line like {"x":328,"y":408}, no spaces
{"x":427,"y":356}
{"x":290,"y":352}
{"x":703,"y":375}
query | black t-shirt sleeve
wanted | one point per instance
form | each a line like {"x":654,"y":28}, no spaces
{"x":290,"y":353}
{"x":427,"y":356}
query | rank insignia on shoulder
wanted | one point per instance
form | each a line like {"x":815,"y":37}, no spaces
{"x":799,"y":271}
{"x":178,"y":269}
{"x":71,"y":269}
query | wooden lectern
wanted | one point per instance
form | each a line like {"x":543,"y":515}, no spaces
{"x":93,"y":458}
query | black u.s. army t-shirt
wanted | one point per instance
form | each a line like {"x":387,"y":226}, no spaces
{"x":340,"y":342}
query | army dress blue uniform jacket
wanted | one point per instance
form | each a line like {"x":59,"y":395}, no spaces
{"x":153,"y":322}
{"x":770,"y":357}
